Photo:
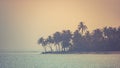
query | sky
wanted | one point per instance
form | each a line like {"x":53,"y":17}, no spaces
{"x":22,"y":23}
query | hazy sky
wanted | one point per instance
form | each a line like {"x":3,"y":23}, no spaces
{"x":23,"y":22}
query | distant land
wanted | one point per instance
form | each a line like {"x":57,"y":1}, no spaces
{"x":105,"y":40}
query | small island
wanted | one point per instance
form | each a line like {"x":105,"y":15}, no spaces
{"x":81,"y":41}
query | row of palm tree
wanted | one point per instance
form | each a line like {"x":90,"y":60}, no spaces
{"x":60,"y":40}
{"x":106,"y":39}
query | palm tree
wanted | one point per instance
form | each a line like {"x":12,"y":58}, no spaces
{"x":49,"y":41}
{"x":105,"y":32}
{"x":110,"y":32}
{"x":57,"y":40}
{"x":87,"y":41}
{"x":82,"y":27}
{"x":87,"y":35}
{"x":66,"y":38}
{"x":97,"y":35}
{"x":97,"y":40}
{"x":76,"y":39}
{"x":42,"y":42}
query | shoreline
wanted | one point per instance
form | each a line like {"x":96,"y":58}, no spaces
{"x":97,"y":52}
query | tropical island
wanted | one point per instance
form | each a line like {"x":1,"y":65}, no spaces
{"x":82,"y":41}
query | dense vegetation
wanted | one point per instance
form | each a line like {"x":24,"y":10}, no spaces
{"x":81,"y":40}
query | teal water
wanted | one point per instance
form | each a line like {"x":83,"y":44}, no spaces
{"x":36,"y":60}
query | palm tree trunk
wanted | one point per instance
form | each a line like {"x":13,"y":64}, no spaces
{"x":64,"y":49}
{"x":51,"y":48}
{"x":82,"y":31}
{"x":59,"y":47}
{"x":56,"y":48}
{"x":44,"y":48}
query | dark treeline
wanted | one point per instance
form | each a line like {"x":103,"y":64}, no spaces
{"x":81,"y":40}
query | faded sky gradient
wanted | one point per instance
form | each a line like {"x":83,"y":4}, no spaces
{"x":23,"y":22}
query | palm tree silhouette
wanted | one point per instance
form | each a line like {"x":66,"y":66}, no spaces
{"x":57,"y":40}
{"x":82,"y":27}
{"x":49,"y":41}
{"x":97,"y":35}
{"x":66,"y":37}
{"x":105,"y":32}
{"x":42,"y":42}
{"x":88,"y":36}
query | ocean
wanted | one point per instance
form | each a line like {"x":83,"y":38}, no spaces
{"x":37,"y":60}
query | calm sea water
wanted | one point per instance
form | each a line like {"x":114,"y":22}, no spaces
{"x":36,"y":60}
